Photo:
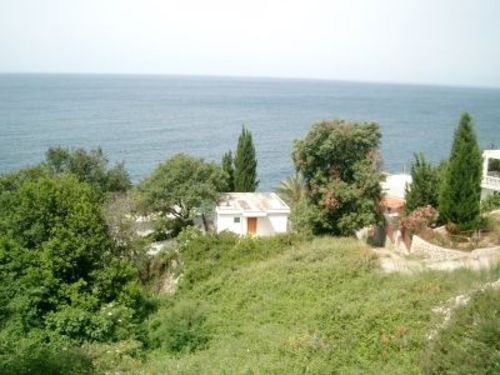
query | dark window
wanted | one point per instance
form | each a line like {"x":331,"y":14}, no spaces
{"x":236,"y":219}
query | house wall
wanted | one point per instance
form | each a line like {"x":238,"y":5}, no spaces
{"x":226,"y":222}
{"x":266,"y":225}
{"x":271,"y":224}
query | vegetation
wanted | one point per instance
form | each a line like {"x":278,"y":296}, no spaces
{"x":245,"y":164}
{"x":286,"y":305}
{"x":470,"y":343}
{"x":424,"y":189}
{"x":181,"y":187}
{"x":490,"y":203}
{"x":63,"y":281}
{"x":292,"y":190}
{"x":339,"y":162}
{"x":89,"y":166}
{"x":228,"y":167}
{"x":461,"y":189}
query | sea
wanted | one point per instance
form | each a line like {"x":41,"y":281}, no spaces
{"x":144,"y":119}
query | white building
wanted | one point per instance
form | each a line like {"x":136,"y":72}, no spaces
{"x":261,"y":214}
{"x":490,"y":183}
{"x":393,"y":190}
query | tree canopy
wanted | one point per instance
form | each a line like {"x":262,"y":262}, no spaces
{"x":245,"y":164}
{"x":182,"y":186}
{"x":340,"y":166}
{"x":459,"y":201}
{"x":228,"y":167}
{"x":424,"y":188}
{"x":57,"y":262}
{"x":89,"y":166}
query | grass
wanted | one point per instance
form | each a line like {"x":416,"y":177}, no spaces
{"x":320,"y":307}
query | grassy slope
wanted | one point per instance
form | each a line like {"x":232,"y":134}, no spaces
{"x":319,"y":307}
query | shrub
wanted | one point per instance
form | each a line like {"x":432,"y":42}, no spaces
{"x":490,"y":203}
{"x":419,"y":220}
{"x":182,"y":329}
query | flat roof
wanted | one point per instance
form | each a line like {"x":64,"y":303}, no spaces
{"x":259,"y":203}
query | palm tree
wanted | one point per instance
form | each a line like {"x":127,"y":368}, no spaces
{"x":292,"y":189}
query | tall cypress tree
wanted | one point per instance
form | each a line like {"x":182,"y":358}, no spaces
{"x":245,"y":164}
{"x":228,"y":167}
{"x":461,"y":189}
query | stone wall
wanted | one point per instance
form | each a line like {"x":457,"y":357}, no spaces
{"x":437,"y":257}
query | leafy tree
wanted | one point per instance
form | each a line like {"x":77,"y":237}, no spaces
{"x":228,"y":167}
{"x":459,"y":201}
{"x":424,"y":188}
{"x":339,"y":162}
{"x":245,"y":164}
{"x":182,"y":187}
{"x":89,"y":166}
{"x":56,"y":258}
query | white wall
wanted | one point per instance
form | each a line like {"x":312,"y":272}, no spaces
{"x":266,"y":225}
{"x":226,"y":222}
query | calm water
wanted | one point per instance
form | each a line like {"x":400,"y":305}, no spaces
{"x":144,"y":119}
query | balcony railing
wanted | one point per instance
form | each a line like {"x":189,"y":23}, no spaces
{"x":491,"y":183}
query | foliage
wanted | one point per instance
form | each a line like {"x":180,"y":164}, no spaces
{"x":419,"y":219}
{"x":245,"y":164}
{"x":461,"y":190}
{"x":424,"y":189}
{"x":339,"y":162}
{"x":319,"y":306}
{"x":32,"y":355}
{"x":228,"y":167}
{"x":292,"y":190}
{"x":181,"y":187}
{"x":470,"y":343}
{"x":494,"y":166}
{"x":58,"y":265}
{"x":490,"y":203}
{"x":89,"y":166}
{"x":182,"y":329}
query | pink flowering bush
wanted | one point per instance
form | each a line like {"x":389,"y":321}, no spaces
{"x":419,"y":220}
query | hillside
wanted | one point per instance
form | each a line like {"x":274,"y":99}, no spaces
{"x":287,"y":306}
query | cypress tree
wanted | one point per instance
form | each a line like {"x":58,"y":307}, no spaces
{"x":228,"y":167}
{"x":245,"y":164}
{"x":461,"y":189}
{"x":423,"y":189}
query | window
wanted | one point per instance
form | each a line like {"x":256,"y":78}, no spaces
{"x":236,"y":219}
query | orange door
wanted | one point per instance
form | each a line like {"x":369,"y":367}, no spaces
{"x":251,"y":225}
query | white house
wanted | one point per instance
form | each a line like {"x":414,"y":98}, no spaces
{"x":490,"y":183}
{"x":261,"y":214}
{"x":393,"y":190}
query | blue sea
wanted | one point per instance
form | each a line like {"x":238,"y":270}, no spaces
{"x":142,"y":120}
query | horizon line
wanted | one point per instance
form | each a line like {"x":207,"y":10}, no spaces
{"x":263,"y":77}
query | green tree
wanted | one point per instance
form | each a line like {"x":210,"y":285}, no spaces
{"x":340,"y":165}
{"x":182,"y":186}
{"x":89,"y":166}
{"x":245,"y":164}
{"x":459,"y":200}
{"x":57,"y":263}
{"x":228,"y":167}
{"x":292,"y":190}
{"x":424,"y":188}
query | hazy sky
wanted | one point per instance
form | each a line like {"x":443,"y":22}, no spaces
{"x":421,"y":41}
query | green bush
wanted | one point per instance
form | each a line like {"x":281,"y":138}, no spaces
{"x":181,"y":329}
{"x":490,"y":203}
{"x":40,"y":354}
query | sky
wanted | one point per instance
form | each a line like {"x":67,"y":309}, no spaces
{"x":450,"y":42}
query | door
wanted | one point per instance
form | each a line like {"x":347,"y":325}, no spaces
{"x":251,"y":225}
